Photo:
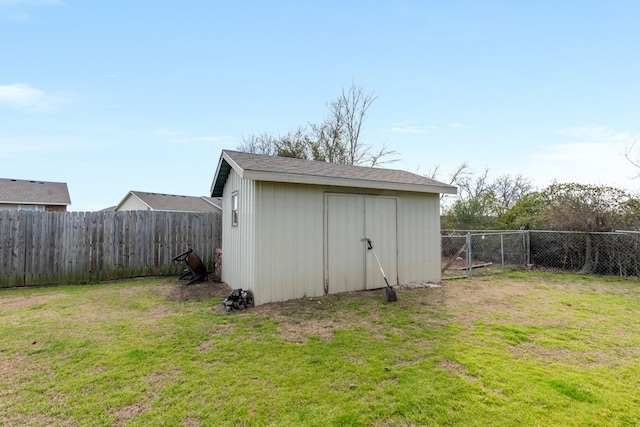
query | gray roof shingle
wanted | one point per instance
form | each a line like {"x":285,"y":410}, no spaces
{"x":174,"y":202}
{"x":285,"y":169}
{"x":33,"y":192}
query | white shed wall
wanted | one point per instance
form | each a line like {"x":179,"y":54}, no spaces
{"x":289,"y":241}
{"x":277,"y":249}
{"x":419,"y":258}
{"x":238,"y":256}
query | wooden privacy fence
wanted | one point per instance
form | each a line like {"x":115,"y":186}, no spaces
{"x":45,"y":248}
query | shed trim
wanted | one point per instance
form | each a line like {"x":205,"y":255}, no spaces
{"x":265,"y":168}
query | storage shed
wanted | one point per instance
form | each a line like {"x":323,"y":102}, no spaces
{"x":293,"y":228}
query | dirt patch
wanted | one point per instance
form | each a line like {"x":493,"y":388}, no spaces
{"x":480,"y":300}
{"x":202,"y":291}
{"x":300,"y":319}
{"x":456,"y":368}
{"x":156,"y":381}
{"x":10,"y":302}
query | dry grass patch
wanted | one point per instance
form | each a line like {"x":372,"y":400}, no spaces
{"x":512,"y":350}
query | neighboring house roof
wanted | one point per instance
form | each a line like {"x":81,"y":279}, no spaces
{"x":33,"y":192}
{"x":285,"y":169}
{"x":174,"y":202}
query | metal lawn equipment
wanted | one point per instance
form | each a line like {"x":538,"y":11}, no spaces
{"x":195,"y":271}
{"x":390,"y":292}
{"x":238,"y":300}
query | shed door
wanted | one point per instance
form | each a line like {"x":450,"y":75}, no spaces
{"x":381,"y":226}
{"x":351,"y":218}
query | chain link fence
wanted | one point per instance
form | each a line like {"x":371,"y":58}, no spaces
{"x":474,"y":253}
{"x":481,"y":253}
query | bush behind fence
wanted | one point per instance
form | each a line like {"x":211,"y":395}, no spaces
{"x":484,"y":252}
{"x":45,"y":248}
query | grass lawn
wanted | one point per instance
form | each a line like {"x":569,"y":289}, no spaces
{"x":519,"y":349}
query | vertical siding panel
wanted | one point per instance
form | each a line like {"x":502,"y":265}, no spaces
{"x":238,"y":257}
{"x":419,"y":240}
{"x":409,"y":248}
{"x":248,"y":215}
{"x":4,"y":248}
{"x":309,"y":216}
{"x":381,"y":225}
{"x":263,"y":246}
{"x":346,"y":255}
{"x":289,"y":241}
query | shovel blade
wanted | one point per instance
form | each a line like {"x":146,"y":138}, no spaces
{"x":391,"y":294}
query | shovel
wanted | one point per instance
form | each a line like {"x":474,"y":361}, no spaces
{"x":391,"y":293}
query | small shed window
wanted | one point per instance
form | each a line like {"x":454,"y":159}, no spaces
{"x":234,"y":209}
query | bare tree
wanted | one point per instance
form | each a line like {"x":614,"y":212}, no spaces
{"x":472,"y":187}
{"x":337,"y":139}
{"x":462,"y":171}
{"x":258,"y":144}
{"x":350,"y":110}
{"x":634,"y":161}
{"x":508,"y":190}
{"x":339,"y":135}
{"x":294,"y":143}
{"x":481,"y":202}
{"x":381,"y":157}
{"x":328,"y":136}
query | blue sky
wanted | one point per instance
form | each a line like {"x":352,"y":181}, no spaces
{"x":112,"y":96}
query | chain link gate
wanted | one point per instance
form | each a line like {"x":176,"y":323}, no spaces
{"x":482,"y":253}
{"x":477,"y":253}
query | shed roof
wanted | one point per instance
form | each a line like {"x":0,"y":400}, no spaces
{"x":261,"y":167}
{"x":175,"y":202}
{"x":34,"y":192}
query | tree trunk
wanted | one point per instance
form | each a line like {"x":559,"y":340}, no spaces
{"x":587,"y":268}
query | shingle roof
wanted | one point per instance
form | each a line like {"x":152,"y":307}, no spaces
{"x":286,"y":169}
{"x":33,"y":192}
{"x":178,"y":203}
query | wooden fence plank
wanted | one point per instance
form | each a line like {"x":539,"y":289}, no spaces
{"x":40,"y":248}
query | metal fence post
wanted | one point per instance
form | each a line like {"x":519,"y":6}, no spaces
{"x":527,"y":247}
{"x":502,"y":249}
{"x":469,"y":265}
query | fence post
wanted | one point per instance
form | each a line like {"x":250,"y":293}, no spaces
{"x":527,"y":247}
{"x":469,"y":264}
{"x":502,"y":249}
